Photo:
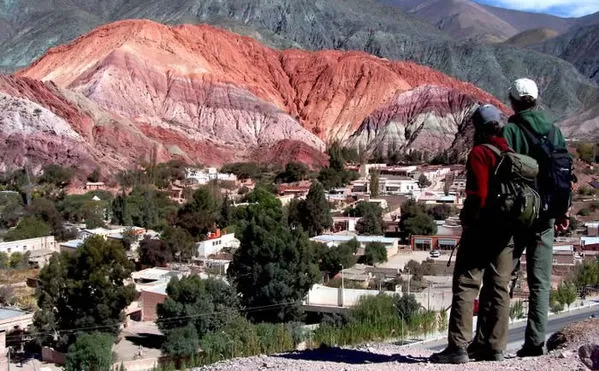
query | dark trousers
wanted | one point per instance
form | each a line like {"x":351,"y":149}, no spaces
{"x":538,"y":244}
{"x":484,"y":256}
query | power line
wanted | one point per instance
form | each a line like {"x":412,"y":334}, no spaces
{"x":165,"y":320}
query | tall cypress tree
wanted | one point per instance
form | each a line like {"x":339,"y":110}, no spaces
{"x":315,"y":211}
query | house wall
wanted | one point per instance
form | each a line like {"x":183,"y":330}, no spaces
{"x":212,"y":246}
{"x":31,"y":244}
{"x":149,"y":302}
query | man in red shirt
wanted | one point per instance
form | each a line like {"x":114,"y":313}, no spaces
{"x":484,"y":256}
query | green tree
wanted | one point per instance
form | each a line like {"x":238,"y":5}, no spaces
{"x":421,"y":224}
{"x":200,"y":215}
{"x":94,"y":176}
{"x":440,"y":212}
{"x":362,"y":208}
{"x":84,"y":289}
{"x":226,"y":213}
{"x":208,"y":305}
{"x":56,"y":175}
{"x":370,"y":224}
{"x":90,"y":352}
{"x":375,"y":252}
{"x":154,"y":253}
{"x":120,"y":210}
{"x":182,"y":342}
{"x":18,"y":260}
{"x":336,"y":160}
{"x":273,"y":268}
{"x":46,"y":211}
{"x":179,"y":243}
{"x":415,"y":221}
{"x":294,"y":172}
{"x":585,"y":152}
{"x":11,"y":209}
{"x":406,"y":306}
{"x":315,"y":212}
{"x":343,"y":256}
{"x":28,"y":227}
{"x":374,"y":183}
{"x":4,"y":260}
{"x":423,"y":182}
{"x":586,"y":274}
{"x":566,"y":293}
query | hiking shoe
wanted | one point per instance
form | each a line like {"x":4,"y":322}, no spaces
{"x":479,"y":352}
{"x":489,"y":355}
{"x":531,"y":351}
{"x":474,"y":348}
{"x":454,"y":355}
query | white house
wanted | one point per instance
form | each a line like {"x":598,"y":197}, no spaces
{"x":216,"y":243}
{"x":399,"y":186}
{"x":333,"y":240}
{"x":204,"y":176}
{"x":29,"y":245}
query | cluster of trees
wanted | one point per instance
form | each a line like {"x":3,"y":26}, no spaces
{"x":294,"y":172}
{"x":371,"y":218}
{"x":82,"y":290}
{"x":16,"y":260}
{"x":415,"y":220}
{"x":335,"y":175}
{"x":565,"y":294}
{"x":313,"y":214}
{"x":588,"y":152}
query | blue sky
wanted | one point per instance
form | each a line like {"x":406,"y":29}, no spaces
{"x":562,"y":8}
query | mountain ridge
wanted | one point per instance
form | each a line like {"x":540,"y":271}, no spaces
{"x":198,"y":86}
{"x":370,"y":26}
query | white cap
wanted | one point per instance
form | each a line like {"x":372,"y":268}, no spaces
{"x":523,"y":87}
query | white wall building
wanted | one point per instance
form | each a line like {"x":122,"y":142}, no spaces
{"x":332,"y":240}
{"x":204,"y":176}
{"x":399,"y":186}
{"x":29,"y":245}
{"x":214,"y":245}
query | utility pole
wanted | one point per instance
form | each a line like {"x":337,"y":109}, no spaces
{"x":342,"y":288}
{"x":430,"y":284}
{"x":408,"y":281}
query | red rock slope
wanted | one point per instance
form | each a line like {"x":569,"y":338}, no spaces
{"x":189,"y":86}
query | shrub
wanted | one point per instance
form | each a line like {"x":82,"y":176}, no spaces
{"x":90,"y":349}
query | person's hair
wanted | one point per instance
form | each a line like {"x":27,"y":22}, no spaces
{"x":489,"y":129}
{"x":526,"y":102}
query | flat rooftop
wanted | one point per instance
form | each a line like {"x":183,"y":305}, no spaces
{"x":8,"y":313}
{"x":363,"y":239}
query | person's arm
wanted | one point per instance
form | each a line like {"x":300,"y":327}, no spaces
{"x":477,"y":186}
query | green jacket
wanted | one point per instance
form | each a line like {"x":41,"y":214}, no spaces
{"x":537,"y":124}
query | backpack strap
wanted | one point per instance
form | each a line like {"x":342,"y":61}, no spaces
{"x":494,"y":149}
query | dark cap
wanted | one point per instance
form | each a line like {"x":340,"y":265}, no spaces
{"x":486,"y":114}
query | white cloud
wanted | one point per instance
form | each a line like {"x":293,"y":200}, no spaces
{"x":572,"y":8}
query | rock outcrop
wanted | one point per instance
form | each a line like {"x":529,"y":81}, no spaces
{"x":213,"y":96}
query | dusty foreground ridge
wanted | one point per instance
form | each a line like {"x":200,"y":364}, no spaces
{"x":574,"y":348}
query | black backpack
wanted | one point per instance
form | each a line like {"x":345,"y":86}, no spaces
{"x":555,"y":172}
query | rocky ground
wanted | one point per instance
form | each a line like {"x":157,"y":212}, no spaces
{"x":574,"y":348}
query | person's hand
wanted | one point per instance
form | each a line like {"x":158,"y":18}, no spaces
{"x":562,"y":224}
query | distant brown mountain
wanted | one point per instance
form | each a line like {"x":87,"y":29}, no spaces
{"x":466,"y":19}
{"x":580,"y":46}
{"x":532,"y":37}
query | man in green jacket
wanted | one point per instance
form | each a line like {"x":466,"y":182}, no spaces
{"x":527,"y":125}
